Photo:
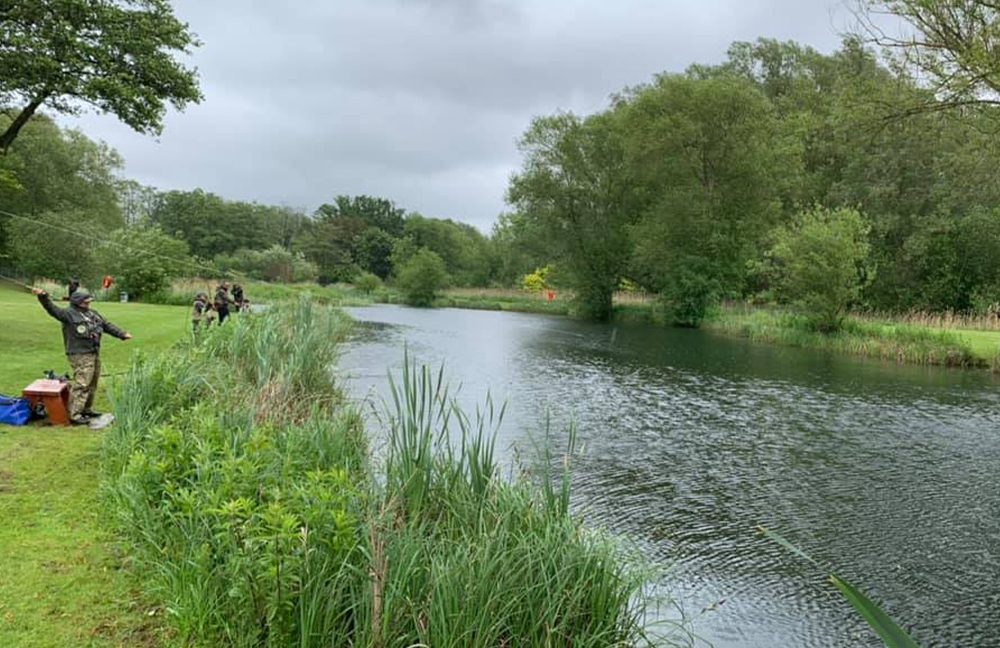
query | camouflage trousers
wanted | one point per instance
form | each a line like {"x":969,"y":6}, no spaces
{"x":86,"y":372}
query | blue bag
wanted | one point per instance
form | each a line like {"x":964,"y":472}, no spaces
{"x":14,"y":411}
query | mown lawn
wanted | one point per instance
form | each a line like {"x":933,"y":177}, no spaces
{"x":60,"y":582}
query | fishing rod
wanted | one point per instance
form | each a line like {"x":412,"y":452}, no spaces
{"x":16,"y":282}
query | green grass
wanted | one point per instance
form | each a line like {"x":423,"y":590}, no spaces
{"x":61,"y":585}
{"x":984,"y":344}
{"x":241,"y":482}
{"x":885,"y":340}
{"x":60,"y":582}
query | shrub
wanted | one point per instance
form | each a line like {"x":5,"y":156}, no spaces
{"x":691,"y":290}
{"x":822,"y":263}
{"x":367,"y":282}
{"x":142,"y":259}
{"x":275,"y":264}
{"x":536,"y":282}
{"x":421,"y":276}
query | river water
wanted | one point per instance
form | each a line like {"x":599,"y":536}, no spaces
{"x":690,"y":441}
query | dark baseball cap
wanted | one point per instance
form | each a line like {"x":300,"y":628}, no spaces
{"x":79,"y":297}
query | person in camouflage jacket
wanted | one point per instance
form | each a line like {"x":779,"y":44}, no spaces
{"x":82,"y":328}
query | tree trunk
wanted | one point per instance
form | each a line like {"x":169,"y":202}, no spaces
{"x":9,"y":135}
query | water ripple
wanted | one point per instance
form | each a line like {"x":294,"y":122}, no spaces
{"x":889,"y":475}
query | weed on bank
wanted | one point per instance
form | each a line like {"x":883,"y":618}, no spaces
{"x":241,"y":483}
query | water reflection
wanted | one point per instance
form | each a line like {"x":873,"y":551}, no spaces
{"x":692,"y":440}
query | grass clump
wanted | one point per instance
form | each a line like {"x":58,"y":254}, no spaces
{"x":240,"y":480}
{"x":233,"y":476}
{"x":494,"y":563}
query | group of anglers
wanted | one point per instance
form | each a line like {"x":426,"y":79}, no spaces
{"x":82,"y":328}
{"x":204,"y":313}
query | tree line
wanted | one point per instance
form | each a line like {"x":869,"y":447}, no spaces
{"x":698,"y":187}
{"x":68,"y":212}
{"x":713,"y":183}
{"x":832,"y":181}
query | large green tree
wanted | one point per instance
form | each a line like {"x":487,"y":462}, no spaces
{"x":61,"y":196}
{"x":708,"y":157}
{"x":574,"y":184}
{"x":143,"y":259}
{"x":119,"y":56}
{"x":373,"y":212}
{"x":211,"y":225}
{"x":822,"y":262}
{"x":465,"y":251}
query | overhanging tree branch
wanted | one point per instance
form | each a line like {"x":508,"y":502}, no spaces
{"x":9,"y":135}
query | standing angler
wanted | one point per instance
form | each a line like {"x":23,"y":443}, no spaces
{"x":82,"y":329}
{"x":222,"y":301}
{"x":200,"y":313}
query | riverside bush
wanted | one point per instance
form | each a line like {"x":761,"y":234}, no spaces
{"x":421,"y":277}
{"x":240,"y":480}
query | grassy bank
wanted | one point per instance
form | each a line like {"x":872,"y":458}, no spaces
{"x":862,"y":336}
{"x":60,"y":582}
{"x":918,"y":338}
{"x":240,"y":480}
{"x":505,"y":300}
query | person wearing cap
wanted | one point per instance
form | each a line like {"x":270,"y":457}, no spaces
{"x":238,"y":297}
{"x":200,"y":313}
{"x":222,"y":301}
{"x":82,"y":328}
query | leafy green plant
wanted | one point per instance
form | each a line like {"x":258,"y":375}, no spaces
{"x":823,"y":264}
{"x":421,"y":276}
{"x":367,"y":282}
{"x":142,"y":260}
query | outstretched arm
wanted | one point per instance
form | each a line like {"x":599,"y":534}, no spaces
{"x":111,"y":329}
{"x":43,"y":298}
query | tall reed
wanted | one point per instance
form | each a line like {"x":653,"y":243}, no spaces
{"x":896,"y":342}
{"x":240,"y":480}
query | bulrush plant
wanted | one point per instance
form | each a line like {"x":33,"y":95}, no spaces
{"x":471,"y":559}
{"x":240,"y":482}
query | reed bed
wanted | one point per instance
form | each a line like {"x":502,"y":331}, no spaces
{"x":240,"y":481}
{"x":904,"y":343}
{"x":948,"y":320}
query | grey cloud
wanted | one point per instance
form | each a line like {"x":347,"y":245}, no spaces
{"x":421,"y":101}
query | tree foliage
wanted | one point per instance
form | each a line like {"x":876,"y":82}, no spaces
{"x":119,"y":57}
{"x":211,"y":225}
{"x":707,"y":155}
{"x":689,"y":178}
{"x":143,"y":260}
{"x":275,"y":264}
{"x":421,"y":276}
{"x":373,"y":212}
{"x":60,"y":196}
{"x":822,"y":261}
{"x":573,"y":184}
{"x":951,"y":44}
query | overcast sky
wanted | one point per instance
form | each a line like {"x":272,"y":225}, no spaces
{"x":419,"y":101}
